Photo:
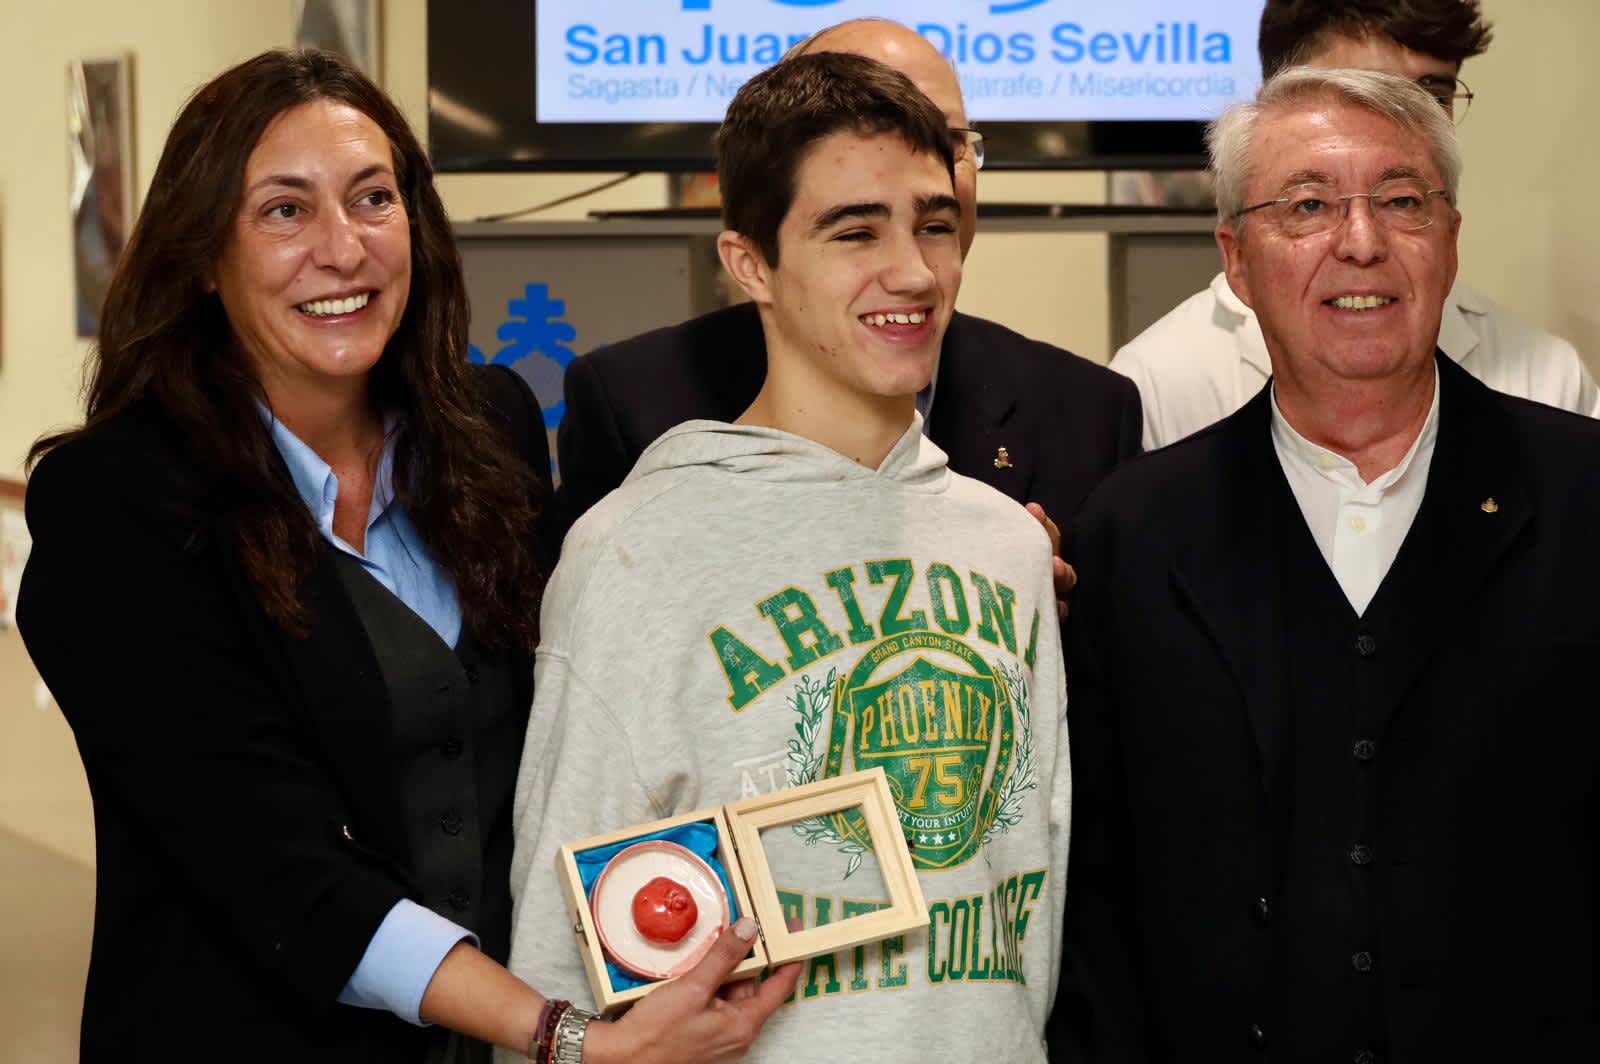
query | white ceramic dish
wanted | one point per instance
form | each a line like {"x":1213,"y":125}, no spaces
{"x":611,"y":902}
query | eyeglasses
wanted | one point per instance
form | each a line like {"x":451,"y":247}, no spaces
{"x":1307,"y":210}
{"x":1452,"y":94}
{"x":963,"y":140}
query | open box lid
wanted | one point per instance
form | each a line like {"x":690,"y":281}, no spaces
{"x":861,"y":808}
{"x":858,"y":805}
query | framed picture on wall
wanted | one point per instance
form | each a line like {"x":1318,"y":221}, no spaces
{"x":100,"y":190}
{"x":347,"y":27}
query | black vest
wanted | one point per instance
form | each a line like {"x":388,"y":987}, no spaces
{"x":455,"y":745}
{"x":1328,"y":971}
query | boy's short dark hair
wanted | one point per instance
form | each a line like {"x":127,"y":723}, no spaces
{"x":780,"y":113}
{"x":1292,"y":30}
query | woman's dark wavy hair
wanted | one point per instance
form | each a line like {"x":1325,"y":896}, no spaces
{"x":165,"y":339}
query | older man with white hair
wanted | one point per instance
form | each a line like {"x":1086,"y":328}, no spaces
{"x":1206,"y":357}
{"x":1333,"y":745}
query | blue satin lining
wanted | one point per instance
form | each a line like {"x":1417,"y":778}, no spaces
{"x":699,"y":838}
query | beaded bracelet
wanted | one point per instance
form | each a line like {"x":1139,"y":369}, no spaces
{"x":558,"y":1016}
{"x":536,"y":1043}
{"x":539,"y":1050}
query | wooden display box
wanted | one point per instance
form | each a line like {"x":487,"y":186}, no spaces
{"x":739,"y":849}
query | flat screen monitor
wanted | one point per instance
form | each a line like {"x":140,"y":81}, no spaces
{"x":641,"y":84}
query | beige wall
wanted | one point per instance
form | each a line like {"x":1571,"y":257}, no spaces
{"x":176,"y":45}
{"x":1532,"y":236}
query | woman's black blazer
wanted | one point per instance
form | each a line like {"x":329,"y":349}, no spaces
{"x":247,"y":814}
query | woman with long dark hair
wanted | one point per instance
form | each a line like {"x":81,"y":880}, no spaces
{"x":284,"y":585}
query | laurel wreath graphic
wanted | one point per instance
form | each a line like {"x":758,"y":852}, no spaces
{"x":811,"y":701}
{"x":1022,"y":779}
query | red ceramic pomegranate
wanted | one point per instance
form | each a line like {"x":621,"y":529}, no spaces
{"x":664,"y":910}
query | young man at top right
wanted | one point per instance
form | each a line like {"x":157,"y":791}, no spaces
{"x":1206,"y":357}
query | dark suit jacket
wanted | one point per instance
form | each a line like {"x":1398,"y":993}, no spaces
{"x":1483,"y":880}
{"x":248,"y":820}
{"x":1064,"y":421}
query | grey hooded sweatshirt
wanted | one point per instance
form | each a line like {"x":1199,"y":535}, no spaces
{"x":752,"y":610}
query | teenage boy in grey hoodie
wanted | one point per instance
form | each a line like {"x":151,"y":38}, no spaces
{"x":810,"y":590}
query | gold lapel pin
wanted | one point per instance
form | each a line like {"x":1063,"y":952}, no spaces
{"x":1002,"y":458}
{"x":1489,"y":506}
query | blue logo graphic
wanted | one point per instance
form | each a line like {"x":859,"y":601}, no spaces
{"x":1006,"y":7}
{"x":536,"y":324}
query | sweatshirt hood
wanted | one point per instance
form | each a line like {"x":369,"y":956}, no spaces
{"x":772,"y":454}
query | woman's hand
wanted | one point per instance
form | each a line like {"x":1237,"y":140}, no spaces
{"x":694,"y":1018}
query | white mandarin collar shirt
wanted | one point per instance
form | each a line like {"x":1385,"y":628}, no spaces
{"x":1357,"y":525}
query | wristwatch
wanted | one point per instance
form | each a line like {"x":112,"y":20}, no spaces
{"x":568,"y":1039}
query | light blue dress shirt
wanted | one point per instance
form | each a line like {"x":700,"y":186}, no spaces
{"x":412,"y":940}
